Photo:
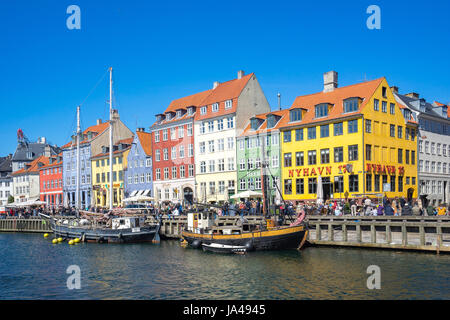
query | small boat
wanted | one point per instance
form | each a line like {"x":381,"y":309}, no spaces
{"x":223,"y":248}
{"x":125,"y":229}
{"x":202,"y":232}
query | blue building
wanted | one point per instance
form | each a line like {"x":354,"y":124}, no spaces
{"x":139,"y":175}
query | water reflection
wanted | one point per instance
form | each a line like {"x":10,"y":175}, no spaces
{"x":33,"y":268}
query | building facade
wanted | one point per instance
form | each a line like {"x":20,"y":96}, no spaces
{"x":259,"y":144}
{"x":139,"y":175}
{"x":26,"y":182}
{"x":5,"y":179}
{"x":50,"y":180}
{"x":91,"y":141}
{"x":433,"y":146}
{"x":221,"y":117}
{"x":173,"y":150}
{"x":101,"y":174}
{"x":348,"y":142}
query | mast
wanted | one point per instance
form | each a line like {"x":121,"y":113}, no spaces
{"x":263,"y":174}
{"x":77,"y":194}
{"x":110,"y":142}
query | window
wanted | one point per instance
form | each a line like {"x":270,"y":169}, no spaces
{"x":165,"y":135}
{"x":298,"y":134}
{"x":312,"y":185}
{"x":182,"y":172}
{"x":202,"y":167}
{"x":324,"y":131}
{"x":191,"y":170}
{"x":166,"y":173}
{"x":275,"y":161}
{"x":220,"y":124}
{"x":287,"y":159}
{"x":230,"y":164}
{"x":376,"y":104}
{"x":230,"y":143}
{"x":311,"y":133}
{"x":288,"y":186}
{"x":427,"y":147}
{"x":189,"y":129}
{"x":338,"y":129}
{"x":353,"y":152}
{"x":230,"y":121}
{"x":149,"y":177}
{"x":368,"y":182}
{"x":211,"y":145}
{"x":350,"y":105}
{"x":287,"y":136}
{"x":420,"y":146}
{"x":181,"y":132}
{"x":174,"y":153}
{"x":221,"y":187}
{"x":181,"y":151}
{"x":368,"y":152}
{"x":148,"y":162}
{"x":202,"y":147}
{"x":299,"y":160}
{"x":352,"y":126}
{"x":325,"y":156}
{"x":242,"y":184}
{"x":210,"y":126}
{"x":339,"y":154}
{"x":392,"y":131}
{"x":438,"y":149}
{"x":392,"y":183}
{"x":377,"y":183}
{"x":392,"y":108}
{"x":228,"y":104}
{"x":215,"y":107}
{"x":190,"y":150}
{"x":407,"y":133}
{"x":242,"y":164}
{"x":406,"y":156}
{"x":221,"y":144}
{"x":203,"y":127}
{"x":353,"y":185}
{"x":312,"y":159}
{"x":212,"y":165}
{"x":173,"y":133}
{"x":321,"y":110}
{"x":203,"y":110}
{"x":295,"y":115}
{"x":384,"y":106}
{"x":384,"y":92}
{"x":400,"y":132}
{"x":400,"y":155}
{"x":221,"y":165}
{"x":368,"y":126}
{"x":299,"y":186}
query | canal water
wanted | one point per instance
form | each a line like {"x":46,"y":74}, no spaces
{"x":31,"y":267}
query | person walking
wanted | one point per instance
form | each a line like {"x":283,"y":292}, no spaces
{"x":353,"y":206}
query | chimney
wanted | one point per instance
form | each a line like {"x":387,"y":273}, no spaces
{"x":216,"y":83}
{"x":140,"y":129}
{"x":99,"y":121}
{"x":330,"y":81}
{"x":240,"y":74}
{"x":413,"y":95}
{"x":47,"y":152}
{"x":394,"y":89}
{"x":279,"y":101}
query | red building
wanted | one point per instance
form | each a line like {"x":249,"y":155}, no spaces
{"x":173,"y":150}
{"x":50,"y":181}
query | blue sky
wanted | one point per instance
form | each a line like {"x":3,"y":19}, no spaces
{"x":163,"y":50}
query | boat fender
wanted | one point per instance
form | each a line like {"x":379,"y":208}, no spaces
{"x":196,"y":244}
{"x":120,"y":235}
{"x":100,"y":240}
{"x":249,"y":246}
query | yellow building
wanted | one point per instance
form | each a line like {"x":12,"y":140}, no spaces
{"x":354,"y":139}
{"x":101,"y":174}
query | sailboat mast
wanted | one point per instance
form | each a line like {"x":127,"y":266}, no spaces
{"x":77,"y":194}
{"x":263,"y":173}
{"x":110,"y":142}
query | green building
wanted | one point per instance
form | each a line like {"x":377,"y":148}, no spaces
{"x":258,"y":155}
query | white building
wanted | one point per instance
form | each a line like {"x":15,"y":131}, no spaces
{"x":433,"y":146}
{"x":5,"y":179}
{"x":26,"y":181}
{"x":221,"y":117}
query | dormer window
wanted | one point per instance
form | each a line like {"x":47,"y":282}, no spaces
{"x":295,"y":115}
{"x":322,"y":110}
{"x":255,"y":123}
{"x":190,"y":111}
{"x":215,"y":107}
{"x":203,"y":110}
{"x":178,"y":113}
{"x":228,"y":104}
{"x":168,"y":116}
{"x":29,"y":155}
{"x":159,"y":117}
{"x":351,"y":105}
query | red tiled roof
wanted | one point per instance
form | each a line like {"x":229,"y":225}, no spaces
{"x":33,"y":165}
{"x":98,"y":128}
{"x":263,"y":127}
{"x":126,"y":141}
{"x":336,"y":97}
{"x":441,"y":105}
{"x":145,"y":138}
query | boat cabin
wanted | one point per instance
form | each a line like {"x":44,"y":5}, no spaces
{"x":200,"y":222}
{"x":127,"y":223}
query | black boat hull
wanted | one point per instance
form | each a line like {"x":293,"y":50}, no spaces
{"x":279,"y":239}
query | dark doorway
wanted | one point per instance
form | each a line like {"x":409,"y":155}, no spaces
{"x":188,"y":195}
{"x":327,"y":188}
{"x":410,"y":194}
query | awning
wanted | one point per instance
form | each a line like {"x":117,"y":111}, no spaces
{"x":133,"y":193}
{"x":146,"y":192}
{"x":140,"y":192}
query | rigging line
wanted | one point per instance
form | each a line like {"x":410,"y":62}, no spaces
{"x":96,"y":85}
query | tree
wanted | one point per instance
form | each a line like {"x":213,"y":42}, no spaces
{"x":10,"y":199}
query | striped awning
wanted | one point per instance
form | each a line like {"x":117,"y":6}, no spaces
{"x":146,"y":193}
{"x":133,"y":193}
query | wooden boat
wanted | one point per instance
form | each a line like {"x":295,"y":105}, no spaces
{"x":121,"y":230}
{"x":223,"y":248}
{"x":201,"y":230}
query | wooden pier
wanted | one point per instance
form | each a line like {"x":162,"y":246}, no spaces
{"x":383,"y":232}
